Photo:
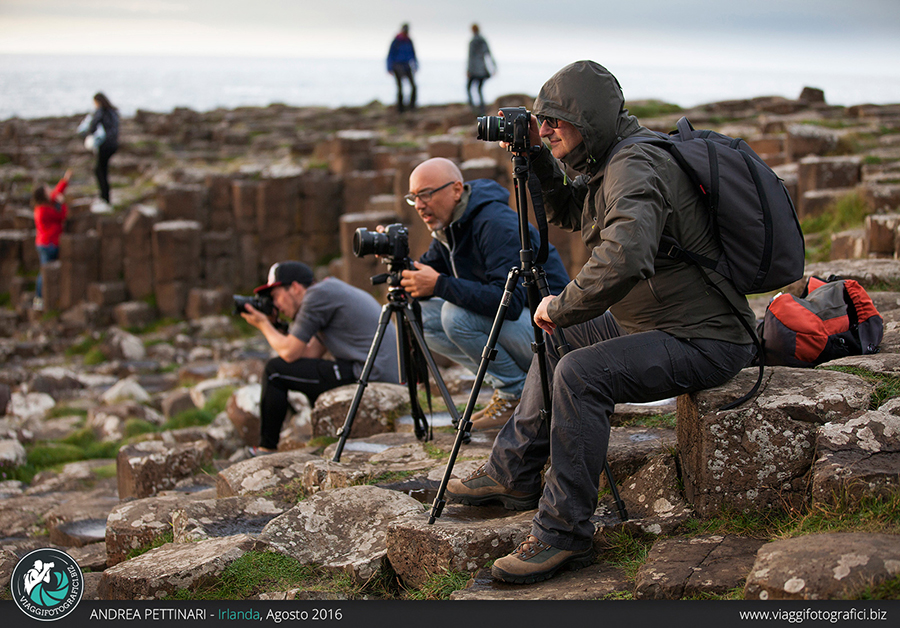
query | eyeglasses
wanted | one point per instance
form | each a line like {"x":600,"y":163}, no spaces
{"x":425,"y":195}
{"x":553,"y":123}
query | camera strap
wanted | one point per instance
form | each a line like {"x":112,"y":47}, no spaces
{"x":537,"y":200}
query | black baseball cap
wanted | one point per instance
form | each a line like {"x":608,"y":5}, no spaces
{"x":286,"y":273}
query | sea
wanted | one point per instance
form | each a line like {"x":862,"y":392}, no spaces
{"x":35,"y":86}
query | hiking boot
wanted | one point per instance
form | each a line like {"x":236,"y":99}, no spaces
{"x":495,"y":415}
{"x":479,"y":489}
{"x":534,"y":561}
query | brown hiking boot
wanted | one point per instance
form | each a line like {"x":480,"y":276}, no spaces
{"x":534,"y":561}
{"x":495,"y":415}
{"x":479,"y":489}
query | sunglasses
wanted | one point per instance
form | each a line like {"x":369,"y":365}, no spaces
{"x":553,"y":123}
{"x":424,"y":195}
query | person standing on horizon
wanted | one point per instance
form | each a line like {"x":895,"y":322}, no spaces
{"x":402,"y":63}
{"x":106,"y":142}
{"x":478,"y":71}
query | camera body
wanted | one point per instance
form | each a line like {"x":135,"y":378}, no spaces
{"x":261,"y":302}
{"x":512,"y":127}
{"x":393,"y":243}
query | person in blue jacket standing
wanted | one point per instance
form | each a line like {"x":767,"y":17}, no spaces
{"x":402,"y":63}
{"x":461,"y":278}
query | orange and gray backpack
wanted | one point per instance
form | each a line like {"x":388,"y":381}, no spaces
{"x":834,"y":318}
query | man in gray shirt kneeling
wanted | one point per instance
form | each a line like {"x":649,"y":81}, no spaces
{"x":329,"y":315}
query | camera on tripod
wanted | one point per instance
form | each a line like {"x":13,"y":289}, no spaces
{"x":392,"y":243}
{"x":512,"y":127}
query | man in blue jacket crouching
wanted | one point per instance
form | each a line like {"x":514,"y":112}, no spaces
{"x":461,"y":277}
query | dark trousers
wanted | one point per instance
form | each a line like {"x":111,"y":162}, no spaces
{"x":46,"y":253}
{"x":101,"y":170}
{"x":604,"y":367}
{"x":478,"y":81}
{"x":404,"y":71}
{"x":310,"y":376}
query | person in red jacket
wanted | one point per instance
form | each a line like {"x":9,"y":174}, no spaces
{"x":49,"y":215}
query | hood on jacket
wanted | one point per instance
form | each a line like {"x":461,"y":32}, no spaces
{"x":587,"y":96}
{"x":486,"y":191}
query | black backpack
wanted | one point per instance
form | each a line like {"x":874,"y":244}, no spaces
{"x":751,"y":211}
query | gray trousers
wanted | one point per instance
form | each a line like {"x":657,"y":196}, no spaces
{"x":605,"y":366}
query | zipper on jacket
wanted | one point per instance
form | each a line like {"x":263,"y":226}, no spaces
{"x":452,"y":250}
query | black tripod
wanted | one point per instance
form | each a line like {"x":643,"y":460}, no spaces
{"x":404,"y":309}
{"x":535,"y":282}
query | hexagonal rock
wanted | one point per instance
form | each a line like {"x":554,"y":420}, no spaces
{"x":343,"y":530}
{"x":201,"y":392}
{"x":12,"y":454}
{"x":8,"y":562}
{"x":758,"y":455}
{"x":858,"y":456}
{"x":868,"y":272}
{"x":823,"y":566}
{"x":74,"y":476}
{"x":136,"y":524}
{"x":280,"y":472}
{"x":124,"y":390}
{"x":591,"y":583}
{"x":82,"y":521}
{"x":652,"y":498}
{"x":121,"y":345}
{"x":631,"y":447}
{"x":24,"y":515}
{"x":162,"y":571}
{"x":92,"y":556}
{"x":463,"y":539}
{"x":243,"y":410}
{"x":379,"y":405}
{"x":34,"y":404}
{"x":108,"y":422}
{"x":145,"y":468}
{"x":208,"y":518}
{"x":687,"y":567}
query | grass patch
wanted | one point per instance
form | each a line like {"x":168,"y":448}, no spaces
{"x":435,"y":452}
{"x":651,"y":108}
{"x":627,"y":550}
{"x":440,"y":586}
{"x":887,"y":590}
{"x":321,"y":441}
{"x":218,"y":400}
{"x":61,"y":411}
{"x":390,"y":477}
{"x":166,"y":537}
{"x":189,"y":418}
{"x":252,"y":574}
{"x":662,"y":421}
{"x":82,"y":346}
{"x":135,"y":427}
{"x":94,"y":356}
{"x":847,"y":212}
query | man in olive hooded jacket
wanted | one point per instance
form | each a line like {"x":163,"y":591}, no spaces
{"x":641,"y":326}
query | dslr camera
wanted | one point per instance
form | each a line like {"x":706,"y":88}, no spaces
{"x":393,"y":243}
{"x":512,"y":127}
{"x":261,"y":302}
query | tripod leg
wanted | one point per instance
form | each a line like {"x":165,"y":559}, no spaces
{"x":383,"y":321}
{"x":419,"y":337}
{"x":465,"y":424}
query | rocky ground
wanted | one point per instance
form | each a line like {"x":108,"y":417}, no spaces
{"x":123,"y":444}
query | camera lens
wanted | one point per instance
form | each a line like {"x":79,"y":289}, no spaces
{"x":367,"y":242}
{"x":489,"y":128}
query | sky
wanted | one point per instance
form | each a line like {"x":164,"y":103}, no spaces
{"x":754,"y":33}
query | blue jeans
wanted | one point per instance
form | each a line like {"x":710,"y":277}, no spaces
{"x":46,"y":253}
{"x":461,"y":335}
